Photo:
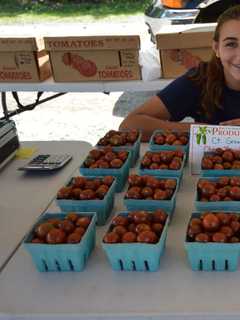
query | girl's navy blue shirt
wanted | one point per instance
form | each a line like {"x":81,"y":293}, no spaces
{"x":182,"y":98}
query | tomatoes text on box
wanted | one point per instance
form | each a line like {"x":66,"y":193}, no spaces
{"x":115,"y":74}
{"x":73,"y":44}
{"x":13,"y":75}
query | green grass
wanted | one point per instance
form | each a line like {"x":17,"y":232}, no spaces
{"x":11,"y":11}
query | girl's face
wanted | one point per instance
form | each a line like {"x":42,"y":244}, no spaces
{"x":228,"y":50}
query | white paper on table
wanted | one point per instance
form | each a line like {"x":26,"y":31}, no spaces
{"x":206,"y":138}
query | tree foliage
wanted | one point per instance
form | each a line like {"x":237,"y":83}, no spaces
{"x":59,"y":3}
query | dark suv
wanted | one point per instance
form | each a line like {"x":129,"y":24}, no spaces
{"x":162,"y":12}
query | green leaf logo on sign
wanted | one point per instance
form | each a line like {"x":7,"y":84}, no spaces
{"x":201,"y":135}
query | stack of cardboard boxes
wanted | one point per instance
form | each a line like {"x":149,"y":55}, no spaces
{"x":96,"y":58}
{"x":102,"y":57}
{"x":23,"y":60}
{"x":182,"y":47}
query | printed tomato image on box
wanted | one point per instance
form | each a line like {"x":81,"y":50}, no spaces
{"x":23,"y":60}
{"x":86,"y":68}
{"x":93,"y":58}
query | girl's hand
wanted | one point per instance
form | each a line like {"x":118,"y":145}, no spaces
{"x":233,"y":122}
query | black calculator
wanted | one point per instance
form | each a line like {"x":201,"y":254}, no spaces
{"x":47,"y":162}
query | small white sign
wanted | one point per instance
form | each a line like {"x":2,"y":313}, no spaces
{"x":206,"y":138}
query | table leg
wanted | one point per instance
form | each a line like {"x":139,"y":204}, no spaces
{"x":20,"y":107}
{"x":4,"y":105}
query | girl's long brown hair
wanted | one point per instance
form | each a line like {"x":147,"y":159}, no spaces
{"x":209,"y":75}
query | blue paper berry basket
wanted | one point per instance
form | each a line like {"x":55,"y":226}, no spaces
{"x":134,"y":150}
{"x":217,"y":172}
{"x":215,"y":205}
{"x":62,"y":257}
{"x":212,"y":256}
{"x":157,"y":147}
{"x":164,"y":172}
{"x":141,"y":204}
{"x":102,"y":207}
{"x":120,"y":174}
{"x":136,"y":256}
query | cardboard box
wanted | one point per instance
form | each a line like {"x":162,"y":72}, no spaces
{"x":23,"y":60}
{"x":183,"y":47}
{"x":94,"y":58}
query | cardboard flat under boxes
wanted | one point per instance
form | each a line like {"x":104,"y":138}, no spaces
{"x":94,"y":58}
{"x":23,"y":60}
{"x":183,"y":47}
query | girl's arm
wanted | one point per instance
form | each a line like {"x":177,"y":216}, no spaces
{"x":150,"y":116}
